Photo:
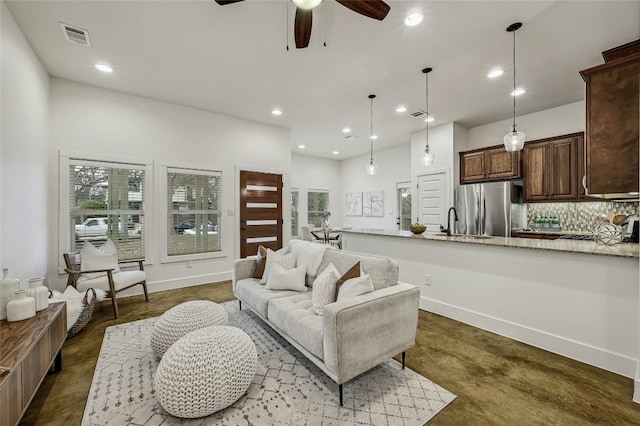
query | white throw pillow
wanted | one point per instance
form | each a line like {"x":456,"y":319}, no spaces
{"x":286,"y":260}
{"x":324,"y":288}
{"x":309,"y":253}
{"x":106,"y":257}
{"x":281,"y":278}
{"x":355,"y":287}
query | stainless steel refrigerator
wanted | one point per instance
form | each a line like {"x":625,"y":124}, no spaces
{"x":493,"y":208}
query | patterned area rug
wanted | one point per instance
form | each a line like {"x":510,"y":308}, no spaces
{"x":287,"y":389}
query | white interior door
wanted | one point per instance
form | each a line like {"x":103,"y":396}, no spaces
{"x":432,"y":200}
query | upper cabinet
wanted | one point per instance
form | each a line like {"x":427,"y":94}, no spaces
{"x":611,"y":138}
{"x":550,"y":169}
{"x":489,"y":164}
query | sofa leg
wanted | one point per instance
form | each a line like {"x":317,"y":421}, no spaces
{"x":404,"y":354}
{"x":240,"y":304}
{"x":340,"y":392}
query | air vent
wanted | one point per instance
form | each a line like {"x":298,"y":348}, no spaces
{"x":352,"y":137}
{"x":76,"y":35}
{"x":418,"y":113}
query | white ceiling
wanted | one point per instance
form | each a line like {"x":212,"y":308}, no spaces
{"x":233,"y":59}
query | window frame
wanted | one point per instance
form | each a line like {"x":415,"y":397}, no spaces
{"x":65,"y":158}
{"x":165,"y":167}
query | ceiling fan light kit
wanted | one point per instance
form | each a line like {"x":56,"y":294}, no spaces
{"x":372,"y":168}
{"x":514,"y":140}
{"x":307,"y":4}
{"x":427,"y":155}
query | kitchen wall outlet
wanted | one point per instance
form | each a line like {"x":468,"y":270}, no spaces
{"x":427,"y":279}
{"x":188,"y":264}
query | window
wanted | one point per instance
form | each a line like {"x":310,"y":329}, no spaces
{"x":194,"y":199}
{"x":403,"y":196}
{"x":294,"y":212}
{"x":317,"y":207}
{"x":107,"y":200}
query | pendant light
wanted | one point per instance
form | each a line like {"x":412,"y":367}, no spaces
{"x":372,"y":168}
{"x":427,"y":155}
{"x":514,"y":140}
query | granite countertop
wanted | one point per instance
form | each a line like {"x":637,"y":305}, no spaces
{"x":628,"y":250}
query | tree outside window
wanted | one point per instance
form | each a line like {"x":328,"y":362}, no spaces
{"x":317,"y":207}
{"x":294,"y":212}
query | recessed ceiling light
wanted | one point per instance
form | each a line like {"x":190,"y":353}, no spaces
{"x":374,"y":137}
{"x":301,"y":146}
{"x":401,"y":108}
{"x":335,"y":153}
{"x":346,"y":130}
{"x":495,"y":73}
{"x":104,"y":68}
{"x":413,"y":19}
{"x":518,"y":92}
{"x":276,"y":111}
{"x":429,"y":119}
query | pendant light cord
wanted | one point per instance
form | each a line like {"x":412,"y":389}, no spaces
{"x":514,"y":81}
{"x":287,"y":26}
{"x":427,"y":105}
{"x":371,"y":130}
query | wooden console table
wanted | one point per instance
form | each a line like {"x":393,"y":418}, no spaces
{"x":28,"y":348}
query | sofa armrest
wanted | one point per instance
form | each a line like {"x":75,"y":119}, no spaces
{"x":363,"y":331}
{"x":242,"y":268}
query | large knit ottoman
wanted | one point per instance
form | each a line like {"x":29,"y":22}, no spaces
{"x":183,"y":319}
{"x":205,"y":371}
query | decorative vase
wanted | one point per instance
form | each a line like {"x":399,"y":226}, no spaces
{"x":8,"y":288}
{"x":21,"y":308}
{"x":39,"y":293}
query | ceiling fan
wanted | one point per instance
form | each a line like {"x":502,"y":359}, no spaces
{"x":375,"y":9}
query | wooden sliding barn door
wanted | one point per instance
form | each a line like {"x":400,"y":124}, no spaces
{"x":260,"y":212}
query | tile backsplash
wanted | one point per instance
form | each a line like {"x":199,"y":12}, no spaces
{"x":577,"y":217}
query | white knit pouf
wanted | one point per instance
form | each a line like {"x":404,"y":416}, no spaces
{"x":205,"y":371}
{"x":183,"y":319}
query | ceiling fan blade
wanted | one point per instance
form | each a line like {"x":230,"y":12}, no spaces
{"x":302,"y":27}
{"x":225,"y":2}
{"x":375,"y":9}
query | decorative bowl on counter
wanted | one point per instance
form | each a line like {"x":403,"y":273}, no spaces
{"x":417,"y":228}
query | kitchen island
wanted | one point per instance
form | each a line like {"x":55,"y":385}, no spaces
{"x":575,"y":298}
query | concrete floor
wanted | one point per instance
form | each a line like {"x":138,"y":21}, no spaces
{"x":498,"y":381}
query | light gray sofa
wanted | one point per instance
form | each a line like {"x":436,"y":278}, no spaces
{"x":353,"y":335}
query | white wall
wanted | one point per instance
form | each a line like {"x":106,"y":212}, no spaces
{"x":394,"y":165}
{"x":92,"y":120}
{"x":544,"y":124}
{"x":24,"y":200}
{"x":440,"y":143}
{"x":310,"y":173}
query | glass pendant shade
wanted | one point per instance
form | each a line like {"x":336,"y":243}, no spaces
{"x":427,"y":158}
{"x":306,"y":4}
{"x":372,"y":168}
{"x":514,"y":140}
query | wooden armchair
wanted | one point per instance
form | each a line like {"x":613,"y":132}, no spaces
{"x":110,"y":281}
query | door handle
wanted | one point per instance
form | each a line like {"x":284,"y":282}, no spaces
{"x":243,"y":228}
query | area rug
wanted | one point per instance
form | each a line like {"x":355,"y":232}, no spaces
{"x":287,"y":388}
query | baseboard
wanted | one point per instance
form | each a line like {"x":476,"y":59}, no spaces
{"x":636,"y":391}
{"x":174,"y":283}
{"x":610,"y":361}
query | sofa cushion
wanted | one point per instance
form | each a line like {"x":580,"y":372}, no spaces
{"x":286,"y":279}
{"x":383,"y":271}
{"x":324,"y":288}
{"x":250,"y":291}
{"x":295,"y":317}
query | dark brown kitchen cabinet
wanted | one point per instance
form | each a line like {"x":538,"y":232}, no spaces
{"x":489,"y":164}
{"x":611,"y":137}
{"x":550,"y":169}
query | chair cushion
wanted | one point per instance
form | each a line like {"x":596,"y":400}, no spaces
{"x":250,"y":291}
{"x":92,"y":258}
{"x":295,"y":316}
{"x":122,"y":279}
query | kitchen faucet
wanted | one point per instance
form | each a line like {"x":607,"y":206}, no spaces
{"x":455,"y":214}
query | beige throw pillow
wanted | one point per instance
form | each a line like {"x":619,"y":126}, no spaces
{"x":324,"y":288}
{"x":288,"y":261}
{"x":281,"y":278}
{"x":261,"y":260}
{"x":355,"y":287}
{"x":92,"y":258}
